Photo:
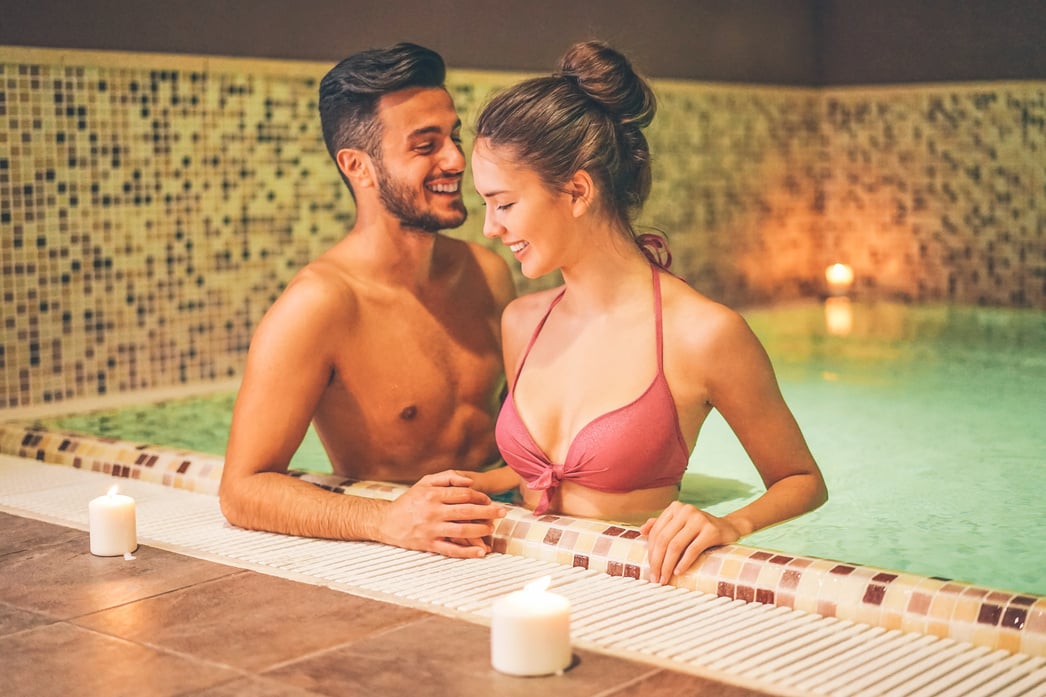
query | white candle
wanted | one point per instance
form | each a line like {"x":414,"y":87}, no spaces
{"x":113,"y":526}
{"x":530,"y":631}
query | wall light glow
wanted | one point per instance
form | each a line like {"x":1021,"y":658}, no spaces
{"x":840,"y":278}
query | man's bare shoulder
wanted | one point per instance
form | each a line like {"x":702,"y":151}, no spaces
{"x":319,"y":293}
{"x":473,"y":257}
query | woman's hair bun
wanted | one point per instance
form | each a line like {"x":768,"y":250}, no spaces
{"x":607,"y":77}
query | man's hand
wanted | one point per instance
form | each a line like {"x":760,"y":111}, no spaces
{"x":441,"y":514}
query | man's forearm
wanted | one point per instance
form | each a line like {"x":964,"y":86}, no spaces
{"x":278,"y":503}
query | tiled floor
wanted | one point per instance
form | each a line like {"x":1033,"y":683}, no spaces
{"x":166,"y":624}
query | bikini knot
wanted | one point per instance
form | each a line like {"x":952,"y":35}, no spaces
{"x":547,"y":483}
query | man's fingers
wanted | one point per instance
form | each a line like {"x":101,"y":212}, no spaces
{"x":457,"y":495}
{"x":451,"y":549}
{"x":464,"y":530}
{"x":471,"y":511}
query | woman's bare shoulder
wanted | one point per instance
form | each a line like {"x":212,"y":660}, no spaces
{"x":698,"y":321}
{"x":531,"y":304}
{"x":522,"y":315}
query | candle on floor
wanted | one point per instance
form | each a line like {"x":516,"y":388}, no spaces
{"x":530,"y":631}
{"x":112,"y":523}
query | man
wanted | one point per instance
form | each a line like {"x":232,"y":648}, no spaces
{"x":389,"y":341}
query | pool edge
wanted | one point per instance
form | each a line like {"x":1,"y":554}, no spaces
{"x":989,"y":617}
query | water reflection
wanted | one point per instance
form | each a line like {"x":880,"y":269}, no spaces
{"x":838,"y":315}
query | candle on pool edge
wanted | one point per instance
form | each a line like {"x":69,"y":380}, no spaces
{"x":530,"y":631}
{"x":112,"y":524}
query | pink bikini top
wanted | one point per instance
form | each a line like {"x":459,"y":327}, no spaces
{"x":637,"y":446}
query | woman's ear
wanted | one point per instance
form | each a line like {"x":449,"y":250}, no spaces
{"x":357,"y":167}
{"x":582,"y":192}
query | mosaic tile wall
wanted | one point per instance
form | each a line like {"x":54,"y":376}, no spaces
{"x":938,"y":193}
{"x":154,"y":206}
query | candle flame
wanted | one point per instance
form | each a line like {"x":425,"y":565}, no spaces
{"x":538,"y":585}
{"x":112,"y":491}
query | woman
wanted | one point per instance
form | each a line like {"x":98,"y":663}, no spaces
{"x":612,"y":374}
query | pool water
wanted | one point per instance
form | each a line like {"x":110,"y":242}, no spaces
{"x":928,"y":423}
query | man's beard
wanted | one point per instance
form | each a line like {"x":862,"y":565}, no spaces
{"x":399,"y":201}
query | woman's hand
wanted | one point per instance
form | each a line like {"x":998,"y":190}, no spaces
{"x":677,"y":537}
{"x":495,"y":481}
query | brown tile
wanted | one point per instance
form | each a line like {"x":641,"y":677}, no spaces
{"x":989,"y":614}
{"x":67,"y":661}
{"x":874,"y":594}
{"x":14,"y":620}
{"x":446,"y":657}
{"x":668,"y":684}
{"x":20,"y":534}
{"x":250,"y":620}
{"x":254,"y":687}
{"x":1014,"y":617}
{"x":65,"y":580}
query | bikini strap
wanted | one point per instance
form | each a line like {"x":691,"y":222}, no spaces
{"x":658,"y":320}
{"x":534,"y":336}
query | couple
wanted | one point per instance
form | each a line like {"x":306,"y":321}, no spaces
{"x":394,"y":342}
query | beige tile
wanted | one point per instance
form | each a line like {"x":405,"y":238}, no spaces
{"x":65,"y":580}
{"x":441,"y":656}
{"x":66,"y":661}
{"x":250,"y":620}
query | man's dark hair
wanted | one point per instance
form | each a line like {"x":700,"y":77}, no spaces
{"x":350,"y":91}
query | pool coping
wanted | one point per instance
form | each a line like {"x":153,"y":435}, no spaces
{"x":989,"y":617}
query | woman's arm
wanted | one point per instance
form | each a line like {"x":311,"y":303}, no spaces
{"x":741,"y":385}
{"x":495,"y":481}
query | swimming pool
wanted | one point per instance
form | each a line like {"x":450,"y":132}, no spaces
{"x":925,"y":420}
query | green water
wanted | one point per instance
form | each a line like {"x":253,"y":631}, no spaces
{"x":928,"y":423}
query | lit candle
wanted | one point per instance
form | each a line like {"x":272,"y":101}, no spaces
{"x":530,"y":631}
{"x":113,"y":526}
{"x":840,"y":277}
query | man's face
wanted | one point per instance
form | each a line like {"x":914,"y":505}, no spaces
{"x":421,"y":164}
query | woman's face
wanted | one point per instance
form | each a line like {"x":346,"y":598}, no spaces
{"x":521,"y":211}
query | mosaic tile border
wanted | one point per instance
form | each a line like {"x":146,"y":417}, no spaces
{"x":988,"y":617}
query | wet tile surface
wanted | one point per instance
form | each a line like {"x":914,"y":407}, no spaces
{"x":14,"y":620}
{"x":165,"y":624}
{"x":447,"y":657}
{"x":249,"y":620}
{"x":21,"y":534}
{"x":65,"y":580}
{"x":66,"y":661}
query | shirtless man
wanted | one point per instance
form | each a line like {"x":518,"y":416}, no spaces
{"x":388,"y":342}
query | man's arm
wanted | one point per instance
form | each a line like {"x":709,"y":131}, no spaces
{"x":288,"y":367}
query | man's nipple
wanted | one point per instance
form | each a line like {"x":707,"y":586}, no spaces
{"x":409,"y":413}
